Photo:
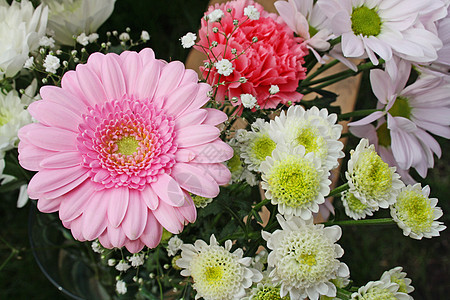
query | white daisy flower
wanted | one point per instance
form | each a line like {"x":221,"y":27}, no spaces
{"x":258,"y":145}
{"x":377,"y":290}
{"x":295,"y":181}
{"x":174,"y":245}
{"x":396,"y":275}
{"x":416,"y":213}
{"x":314,"y":129}
{"x":224,"y":67}
{"x":251,"y":12}
{"x":305,"y":258}
{"x":354,"y":208}
{"x":188,"y":40}
{"x":371,"y":180}
{"x":383,"y":27}
{"x":217,"y":273}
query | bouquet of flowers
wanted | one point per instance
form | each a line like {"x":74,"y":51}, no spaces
{"x":222,"y":182}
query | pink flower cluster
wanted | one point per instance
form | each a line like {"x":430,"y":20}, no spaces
{"x":276,"y":57}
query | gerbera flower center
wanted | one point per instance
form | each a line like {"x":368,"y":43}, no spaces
{"x":384,"y":136}
{"x":415,"y":210}
{"x":365,"y":21}
{"x":127,"y":145}
{"x":263,"y":147}
{"x":373,"y":175}
{"x":294,"y":181}
{"x":401,"y":108}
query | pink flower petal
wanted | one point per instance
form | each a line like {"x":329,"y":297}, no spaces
{"x":148,"y":81}
{"x":134,"y":246}
{"x":147,"y":55}
{"x":352,"y":46}
{"x":214,"y":152}
{"x":76,"y":227}
{"x":219,"y":172}
{"x":62,"y":160}
{"x":195,"y":180}
{"x":369,"y":119}
{"x":171,"y":76}
{"x":150,"y":198}
{"x":180,"y":98}
{"x":70,"y":83}
{"x":94,"y":217}
{"x":118,"y":204}
{"x":168,"y":190}
{"x":215,"y":117}
{"x":136,"y":218}
{"x":74,"y":202}
{"x":91,"y":85}
{"x":104,"y":240}
{"x":31,"y":156}
{"x":152,"y":232}
{"x":188,"y":210}
{"x":190,"y":76}
{"x":381,"y":85}
{"x":195,"y":117}
{"x":63,"y":97}
{"x":51,"y":179}
{"x":196,"y":135}
{"x":48,"y":205}
{"x":112,"y":78}
{"x":61,"y":191}
{"x":132,"y":68}
{"x":167,"y":217}
{"x":50,"y":138}
{"x":116,"y":236}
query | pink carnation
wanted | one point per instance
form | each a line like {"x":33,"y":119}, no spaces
{"x":275,"y":59}
{"x":119,"y":147}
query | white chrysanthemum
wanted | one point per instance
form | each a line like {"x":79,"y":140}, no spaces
{"x":73,"y":17}
{"x":217,"y":273}
{"x":382,"y":27}
{"x":305,"y":258}
{"x":51,"y":63}
{"x":377,"y":290}
{"x":251,"y":12}
{"x":371,"y":180}
{"x":396,"y":275}
{"x":295,"y":181}
{"x":224,"y":67}
{"x":21,"y":27}
{"x":121,"y":287}
{"x":174,"y":245}
{"x":314,"y":129}
{"x":137,"y":259}
{"x":215,"y":15}
{"x":354,"y":208}
{"x":416,"y":213}
{"x":248,"y":100}
{"x":258,"y":145}
{"x":188,"y":40}
{"x":13,"y":115}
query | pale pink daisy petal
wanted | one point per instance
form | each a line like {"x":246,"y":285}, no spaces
{"x":111,"y":145}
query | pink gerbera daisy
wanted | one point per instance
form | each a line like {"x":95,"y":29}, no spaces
{"x":263,"y":52}
{"x":119,"y":147}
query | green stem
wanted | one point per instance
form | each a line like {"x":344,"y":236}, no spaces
{"x":343,"y":294}
{"x":320,"y":70}
{"x":387,"y":221}
{"x":338,"y":190}
{"x":357,"y":113}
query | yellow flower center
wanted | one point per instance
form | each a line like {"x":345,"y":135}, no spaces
{"x":354,"y":203}
{"x":270,"y":293}
{"x":414,"y":209}
{"x":263,"y":147}
{"x":375,"y":293}
{"x":365,"y":21}
{"x":127,"y":145}
{"x":213,"y":274}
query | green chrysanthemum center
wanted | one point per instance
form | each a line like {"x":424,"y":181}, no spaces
{"x":376,"y":293}
{"x":127,"y":145}
{"x":401,"y":108}
{"x":216,"y":271}
{"x":309,"y":138}
{"x":365,"y":21}
{"x":372,"y":175}
{"x":262,"y":147}
{"x":414,"y":209}
{"x":269,"y":293}
{"x":235,"y":164}
{"x":354,"y":203}
{"x":306,"y":257}
{"x":384,"y":136}
{"x":294,"y":181}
